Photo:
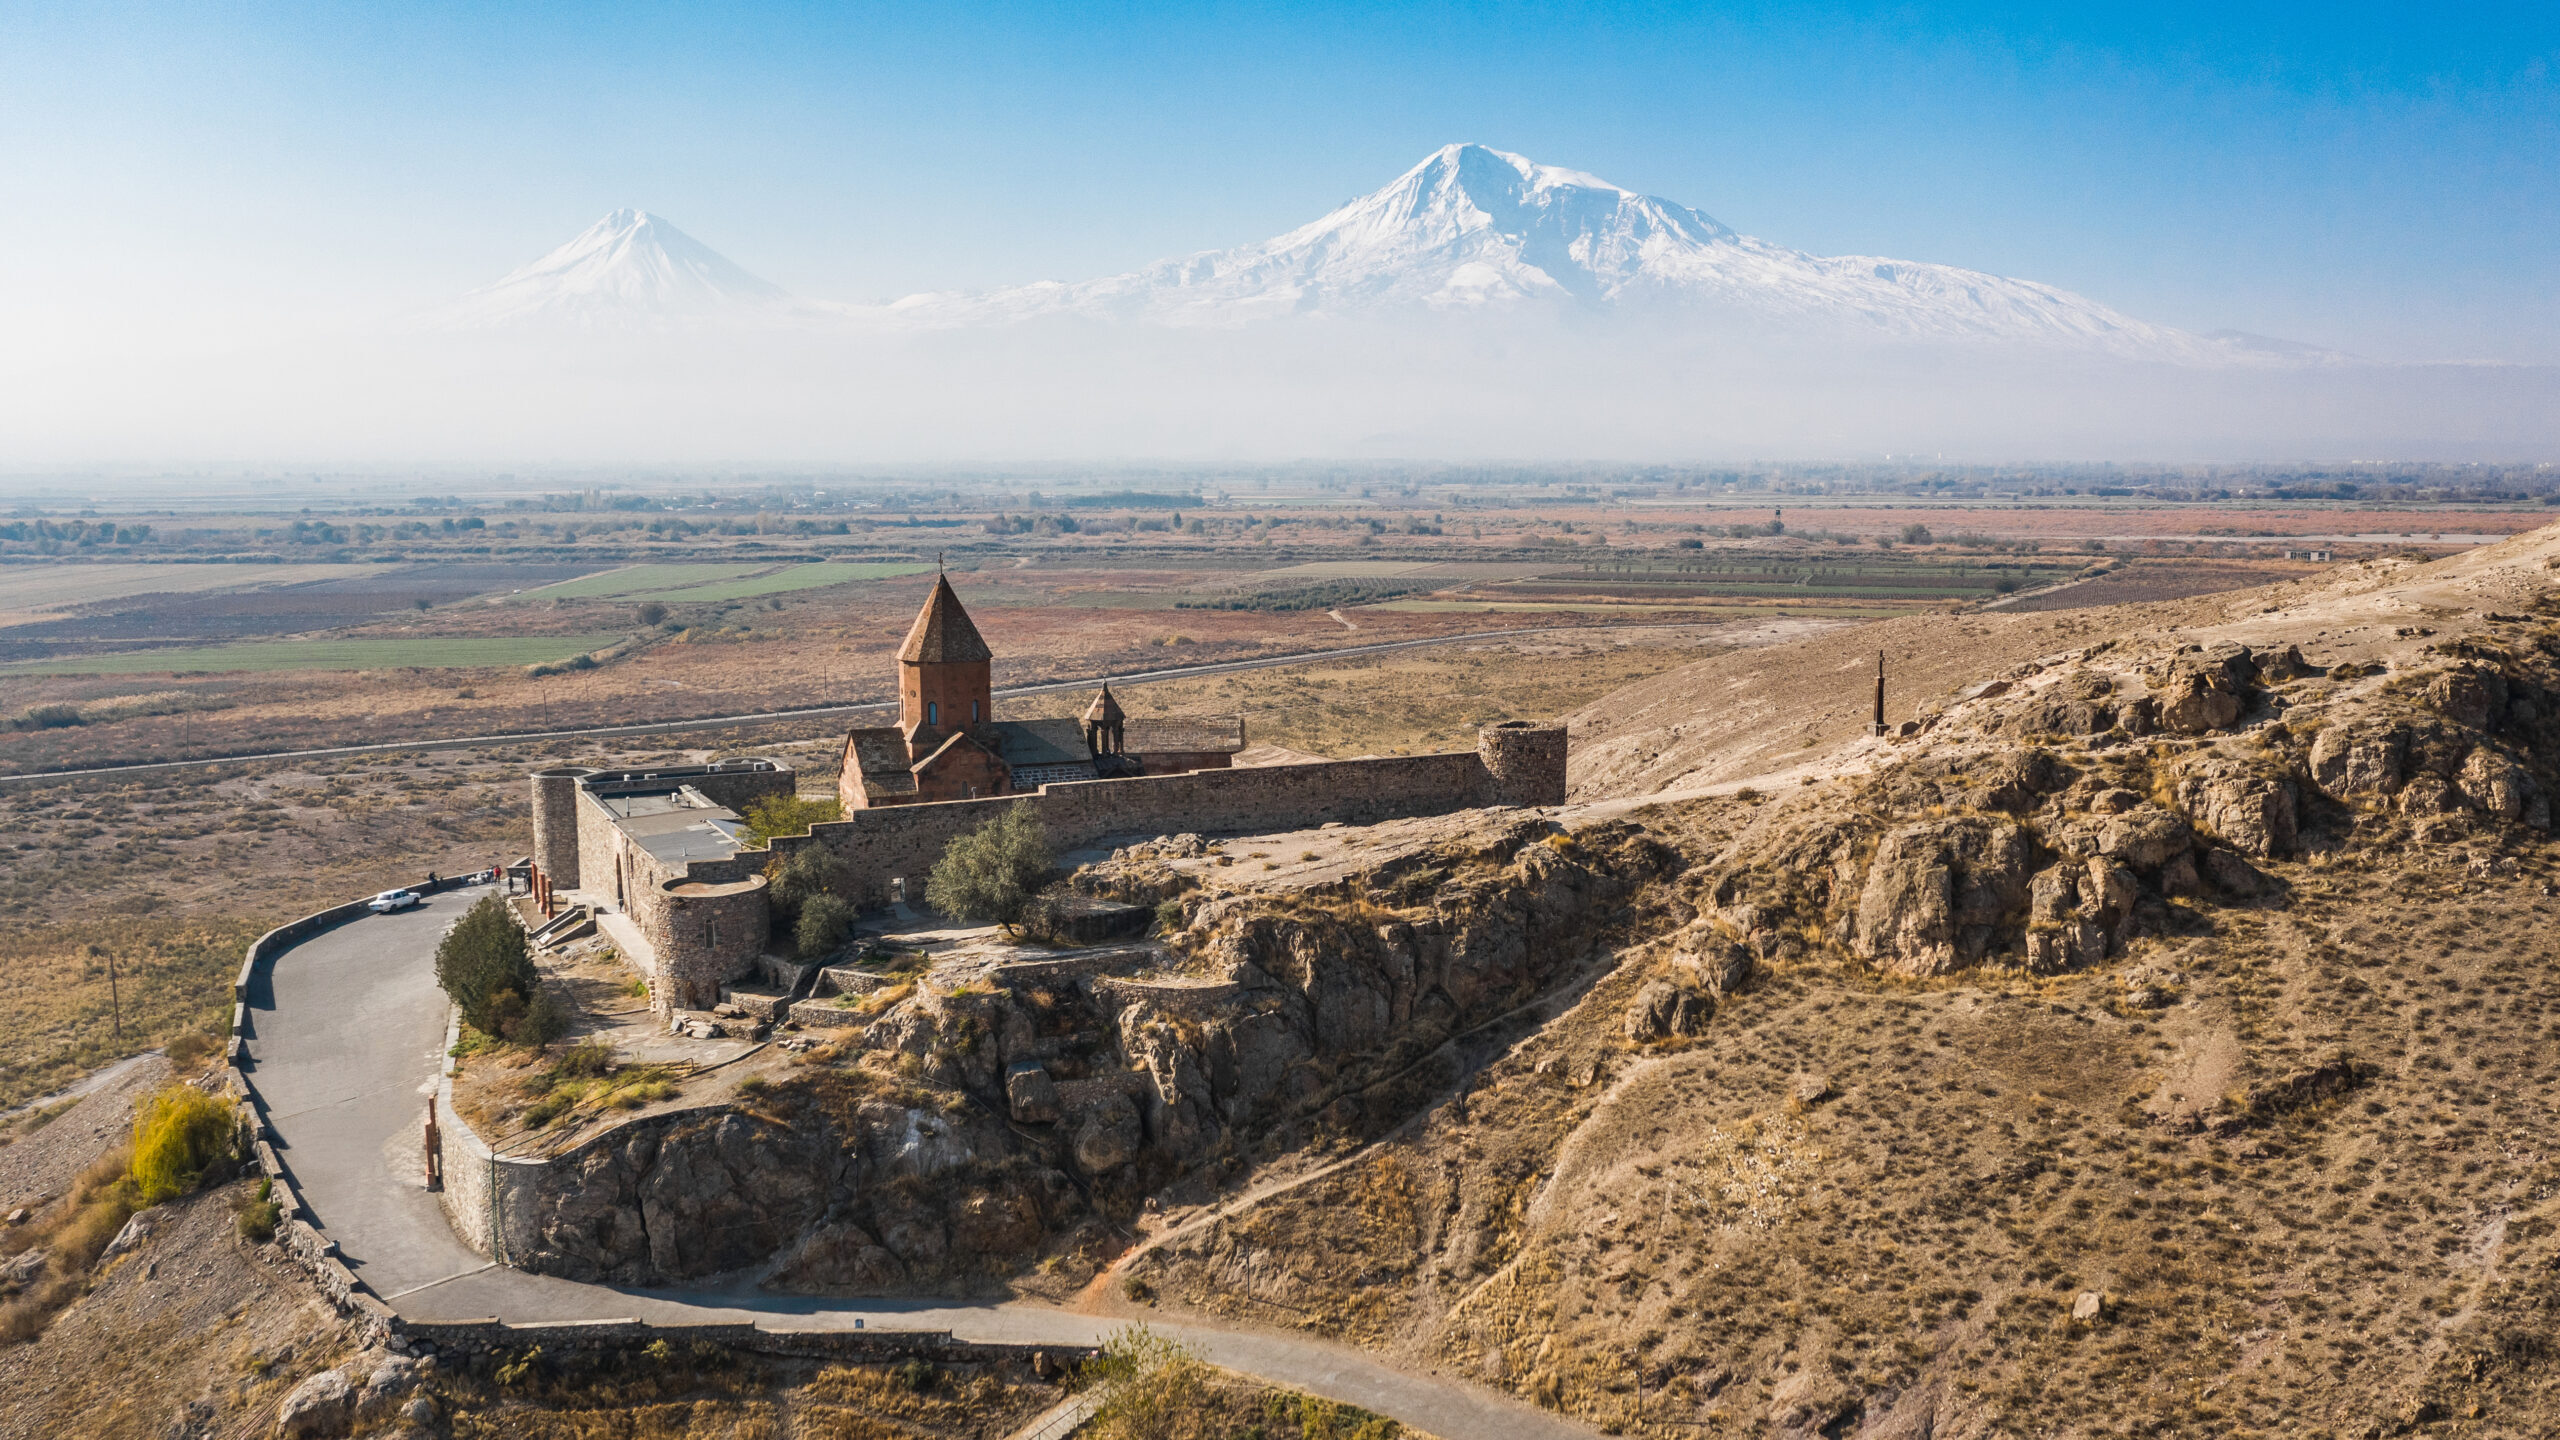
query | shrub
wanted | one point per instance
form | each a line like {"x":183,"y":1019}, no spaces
{"x":179,"y":1139}
{"x":992,"y":872}
{"x":650,"y":612}
{"x":826,"y":921}
{"x":543,"y":1020}
{"x":483,"y":961}
{"x":585,"y":1060}
{"x":1150,"y":1387}
{"x":787,"y":815}
{"x":190,"y":1049}
{"x":791,"y":882}
{"x":259,"y":1218}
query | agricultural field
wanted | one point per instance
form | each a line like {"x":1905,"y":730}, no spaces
{"x":424,"y":652}
{"x":719,"y":582}
{"x":30,"y":588}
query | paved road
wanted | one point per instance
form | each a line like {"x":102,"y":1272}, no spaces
{"x":776,"y":717}
{"x":345,"y":1032}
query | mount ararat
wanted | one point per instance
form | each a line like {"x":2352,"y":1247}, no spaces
{"x":1469,"y":230}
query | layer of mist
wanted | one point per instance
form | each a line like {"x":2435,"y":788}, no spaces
{"x":1547,"y":385}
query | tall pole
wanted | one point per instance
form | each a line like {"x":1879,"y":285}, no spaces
{"x":1879,"y":692}
{"x":115,"y":1000}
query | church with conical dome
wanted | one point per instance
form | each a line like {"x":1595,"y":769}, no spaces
{"x":948,"y":745}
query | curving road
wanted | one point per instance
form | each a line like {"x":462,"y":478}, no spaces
{"x":344,"y":1037}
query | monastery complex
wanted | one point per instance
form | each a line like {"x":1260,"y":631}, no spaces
{"x":659,"y":856}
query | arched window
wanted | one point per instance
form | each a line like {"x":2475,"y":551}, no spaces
{"x":932,"y":713}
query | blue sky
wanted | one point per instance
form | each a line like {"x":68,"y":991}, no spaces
{"x":2384,"y":179}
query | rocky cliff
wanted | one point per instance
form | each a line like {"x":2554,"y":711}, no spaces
{"x":978,"y":1124}
{"x":2148,"y":1038}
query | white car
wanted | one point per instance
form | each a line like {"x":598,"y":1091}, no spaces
{"x":390,"y":900}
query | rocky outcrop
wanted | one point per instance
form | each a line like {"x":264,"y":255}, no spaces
{"x":1941,"y":895}
{"x":994,"y":1119}
{"x":1664,"y":1010}
{"x":2253,"y":809}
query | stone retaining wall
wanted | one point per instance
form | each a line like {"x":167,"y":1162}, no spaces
{"x":490,"y":1337}
{"x":296,"y":1238}
{"x":489,"y":1199}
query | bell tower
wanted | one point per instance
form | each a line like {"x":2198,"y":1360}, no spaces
{"x":944,"y":684}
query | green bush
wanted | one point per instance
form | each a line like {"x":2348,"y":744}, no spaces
{"x":486,"y":967}
{"x":791,"y":882}
{"x":787,"y":815}
{"x":259,"y":1218}
{"x":992,"y":872}
{"x":181,"y":1138}
{"x":826,"y":922}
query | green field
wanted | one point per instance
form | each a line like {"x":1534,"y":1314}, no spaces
{"x":635,"y":581}
{"x":1339,"y":570}
{"x":720,"y":582}
{"x":372,"y":653}
{"x":794,"y":577}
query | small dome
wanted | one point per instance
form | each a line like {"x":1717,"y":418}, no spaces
{"x":1105,"y":710}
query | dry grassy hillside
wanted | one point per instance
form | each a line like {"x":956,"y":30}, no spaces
{"x":2155,"y":1043}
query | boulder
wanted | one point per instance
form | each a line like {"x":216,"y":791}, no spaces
{"x":2144,"y":838}
{"x":2469,"y":696}
{"x":1110,"y":1136}
{"x":1663,"y":1010}
{"x":1703,"y":959}
{"x":1030,"y":1094}
{"x":2088,"y":1307}
{"x":2496,"y":784}
{"x":1938,"y":894}
{"x":2359,"y":758}
{"x":2076,"y":704}
{"x":2197,"y":700}
{"x":2232,"y":875}
{"x":2252,"y":811}
{"x":135,"y":1231}
{"x":840,"y":1255}
{"x":393,"y":1376}
{"x":322,"y":1406}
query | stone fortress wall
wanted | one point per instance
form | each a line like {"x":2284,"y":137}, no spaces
{"x":707,"y":918}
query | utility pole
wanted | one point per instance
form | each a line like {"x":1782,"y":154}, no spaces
{"x":115,"y":1000}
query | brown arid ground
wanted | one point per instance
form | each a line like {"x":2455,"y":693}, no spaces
{"x":2234,"y":1121}
{"x":167,"y":876}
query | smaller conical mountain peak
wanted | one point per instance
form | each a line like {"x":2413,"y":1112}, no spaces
{"x":631,"y":267}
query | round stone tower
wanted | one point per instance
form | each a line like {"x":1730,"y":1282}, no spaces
{"x":1525,"y":760}
{"x":555,"y":823}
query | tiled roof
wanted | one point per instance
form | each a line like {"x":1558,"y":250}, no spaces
{"x":879,"y":755}
{"x":943,"y":632}
{"x":1039,"y":742}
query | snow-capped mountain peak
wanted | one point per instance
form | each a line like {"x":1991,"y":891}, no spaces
{"x":631,"y":267}
{"x":1474,"y":228}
